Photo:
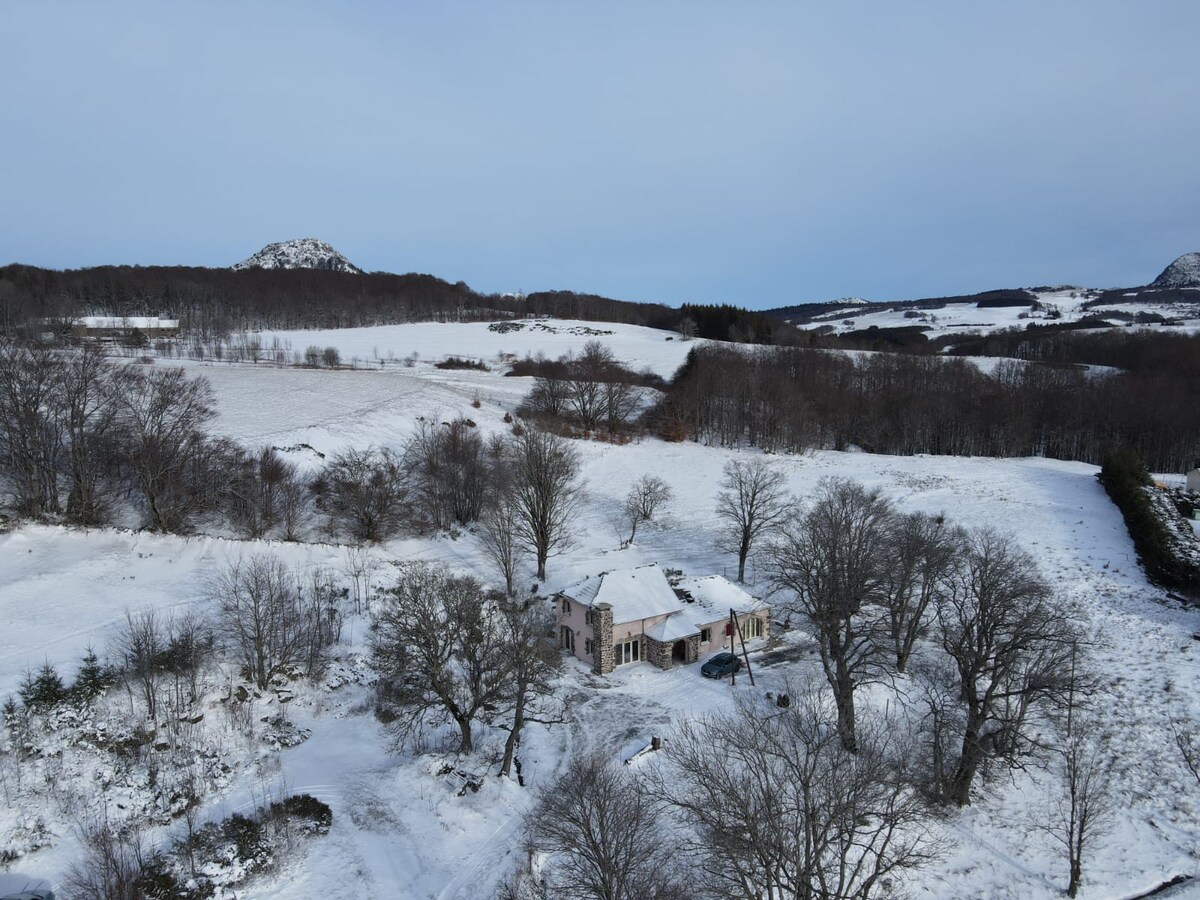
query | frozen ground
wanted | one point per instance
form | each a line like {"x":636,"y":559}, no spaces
{"x":400,"y":831}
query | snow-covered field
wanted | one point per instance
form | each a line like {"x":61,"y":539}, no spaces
{"x":966,"y":318}
{"x":400,"y":831}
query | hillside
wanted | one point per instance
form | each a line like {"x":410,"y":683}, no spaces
{"x":404,"y":828}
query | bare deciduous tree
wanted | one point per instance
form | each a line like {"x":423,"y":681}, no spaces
{"x":605,"y":835}
{"x":829,"y":558}
{"x":533,"y":660}
{"x":1083,"y":762}
{"x":448,"y":467}
{"x":363,"y":491}
{"x":89,"y":410}
{"x":438,"y":643}
{"x":141,"y":642}
{"x":31,"y":431}
{"x":919,"y":553}
{"x":545,"y":491}
{"x":778,"y":808}
{"x":163,"y":413}
{"x":263,"y":615}
{"x":648,"y":496}
{"x":753,"y":500}
{"x":501,"y":541}
{"x":1010,"y":642}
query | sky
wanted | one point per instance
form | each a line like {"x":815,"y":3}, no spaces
{"x":754,"y":153}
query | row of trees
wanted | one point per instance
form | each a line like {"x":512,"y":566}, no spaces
{"x":589,"y":391}
{"x":786,"y":399}
{"x":81,"y":439}
{"x":870,"y":583}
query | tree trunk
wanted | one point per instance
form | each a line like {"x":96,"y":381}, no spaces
{"x":743,"y":552}
{"x":844,"y":698}
{"x":465,"y":745}
{"x":968,"y":762}
{"x":514,"y":736}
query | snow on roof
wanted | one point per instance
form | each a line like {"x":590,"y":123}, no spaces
{"x":672,"y":628}
{"x":126,"y":322}
{"x":644,"y":592}
{"x":632,"y":593}
{"x":714,"y":596}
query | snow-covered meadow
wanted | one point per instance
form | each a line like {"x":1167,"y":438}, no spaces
{"x":401,"y":831}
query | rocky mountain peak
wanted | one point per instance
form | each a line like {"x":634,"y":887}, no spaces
{"x":301,"y":253}
{"x":1183,"y":273}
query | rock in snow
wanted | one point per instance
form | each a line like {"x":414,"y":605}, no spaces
{"x":302,"y":253}
{"x":1183,"y":273}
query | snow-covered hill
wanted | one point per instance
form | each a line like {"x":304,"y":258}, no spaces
{"x":1183,"y":273}
{"x":1045,"y":307}
{"x":301,"y":253}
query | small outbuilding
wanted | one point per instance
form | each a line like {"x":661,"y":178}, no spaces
{"x":633,"y":615}
{"x":1193,"y":480}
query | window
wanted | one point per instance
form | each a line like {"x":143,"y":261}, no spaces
{"x":705,"y":635}
{"x":587,"y":646}
{"x":587,"y":617}
{"x":752,"y":627}
{"x":566,"y":607}
{"x":627,"y":652}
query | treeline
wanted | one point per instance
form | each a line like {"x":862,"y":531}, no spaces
{"x":788,"y":399}
{"x":1141,"y":350}
{"x":221,"y":301}
{"x":589,"y":392}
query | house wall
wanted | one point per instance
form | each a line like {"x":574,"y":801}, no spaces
{"x":574,"y":616}
{"x":721,"y":641}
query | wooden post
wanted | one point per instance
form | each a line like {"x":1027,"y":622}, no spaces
{"x":745,"y":655}
{"x":733,"y":670}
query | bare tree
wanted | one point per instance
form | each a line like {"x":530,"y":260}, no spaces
{"x":448,"y":467}
{"x":262,"y":614}
{"x":111,"y":865}
{"x":163,"y":413}
{"x":533,"y":661}
{"x":753,"y":500}
{"x":1084,"y":808}
{"x":364,"y":491}
{"x":545,"y":490}
{"x":31,"y":431}
{"x":501,"y":541}
{"x":438,"y":644}
{"x":648,"y":496}
{"x":829,"y":558}
{"x":89,"y":413}
{"x":919,"y":554}
{"x":606,"y":836}
{"x":1010,"y":643}
{"x":141,"y":642}
{"x":778,"y":808}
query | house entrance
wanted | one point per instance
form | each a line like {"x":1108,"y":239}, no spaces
{"x":627,"y":652}
{"x":566,"y":638}
{"x":679,"y":652}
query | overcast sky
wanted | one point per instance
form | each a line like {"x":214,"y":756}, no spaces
{"x":752,"y":153}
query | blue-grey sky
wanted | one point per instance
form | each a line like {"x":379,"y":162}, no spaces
{"x":755,"y":153}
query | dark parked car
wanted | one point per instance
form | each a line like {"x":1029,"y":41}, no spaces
{"x":721,"y":665}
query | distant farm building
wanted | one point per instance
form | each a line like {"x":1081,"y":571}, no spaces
{"x":635,"y":615}
{"x":124,"y":327}
{"x":1193,"y":480}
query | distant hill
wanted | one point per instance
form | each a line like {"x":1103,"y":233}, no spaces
{"x":300,"y":253}
{"x":1183,"y":273}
